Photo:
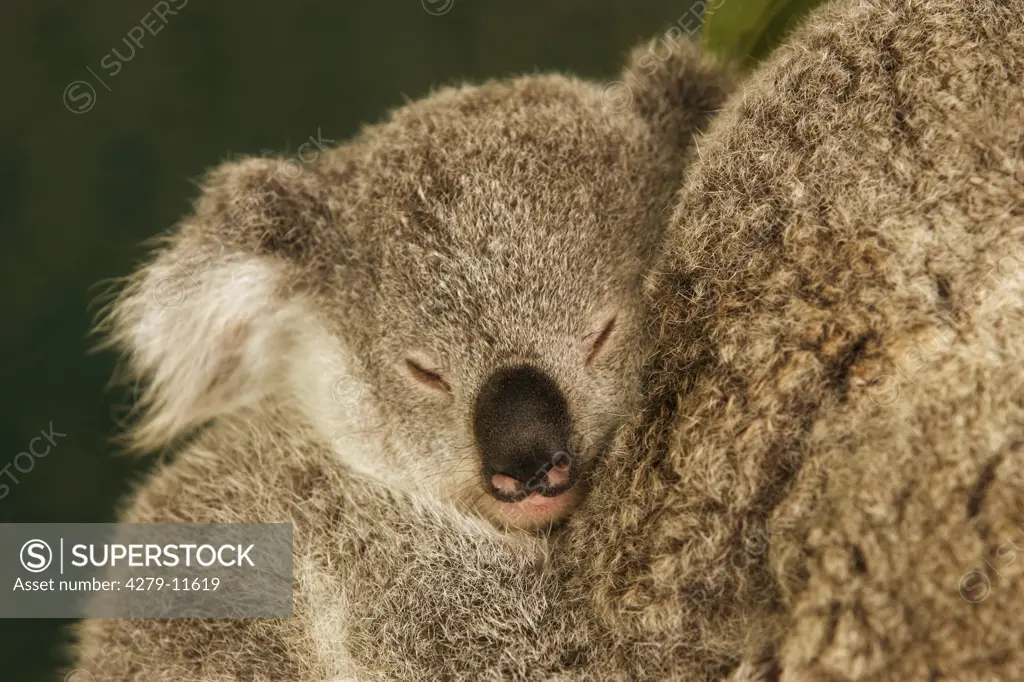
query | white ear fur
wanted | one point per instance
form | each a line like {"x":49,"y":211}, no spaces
{"x":203,"y":342}
{"x":213,"y":339}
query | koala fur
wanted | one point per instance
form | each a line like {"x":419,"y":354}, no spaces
{"x":480,"y":227}
{"x":475,"y":229}
{"x":827,"y":469}
{"x":822,"y":480}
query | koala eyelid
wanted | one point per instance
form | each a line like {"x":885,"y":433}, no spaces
{"x":427,"y":377}
{"x":601,"y":339}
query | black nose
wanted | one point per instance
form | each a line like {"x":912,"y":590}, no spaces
{"x":522,"y":429}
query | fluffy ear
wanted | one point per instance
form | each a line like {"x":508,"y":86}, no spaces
{"x":209,"y":324}
{"x":675,"y":86}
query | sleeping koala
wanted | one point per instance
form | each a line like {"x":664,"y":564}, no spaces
{"x":450,"y":298}
{"x":425,"y":337}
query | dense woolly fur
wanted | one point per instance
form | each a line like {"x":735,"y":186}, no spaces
{"x":828,"y":468}
{"x":479,"y":228}
{"x":387,"y":586}
{"x":822,"y":481}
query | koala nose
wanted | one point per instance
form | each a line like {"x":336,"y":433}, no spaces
{"x":521,"y":423}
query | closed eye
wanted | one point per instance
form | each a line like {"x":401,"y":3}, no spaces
{"x":429,"y":378}
{"x":601,"y":339}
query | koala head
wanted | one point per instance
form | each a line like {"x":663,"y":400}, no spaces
{"x":453,"y":299}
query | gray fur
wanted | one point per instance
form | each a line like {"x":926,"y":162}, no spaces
{"x":478,"y":228}
{"x":775,"y":509}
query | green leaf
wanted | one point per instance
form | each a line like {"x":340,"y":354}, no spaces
{"x":747,"y":30}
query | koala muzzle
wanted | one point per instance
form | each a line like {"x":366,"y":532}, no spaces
{"x":522,"y":428}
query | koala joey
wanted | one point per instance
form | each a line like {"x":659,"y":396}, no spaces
{"x":452,"y":299}
{"x":406,"y":346}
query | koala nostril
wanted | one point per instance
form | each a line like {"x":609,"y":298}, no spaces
{"x":558,"y":476}
{"x":550,"y":480}
{"x":506,"y":485}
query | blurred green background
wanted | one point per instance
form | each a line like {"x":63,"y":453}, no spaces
{"x":100,"y":150}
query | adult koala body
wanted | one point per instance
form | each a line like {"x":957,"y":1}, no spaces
{"x":420,"y":338}
{"x":829,"y":466}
